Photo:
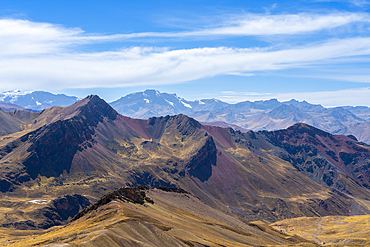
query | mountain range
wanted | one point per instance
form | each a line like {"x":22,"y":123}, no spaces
{"x":35,"y":100}
{"x":65,"y":158}
{"x":259,"y":115}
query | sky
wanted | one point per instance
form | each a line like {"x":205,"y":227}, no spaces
{"x":313,"y":50}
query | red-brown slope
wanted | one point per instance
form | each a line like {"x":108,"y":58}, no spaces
{"x":324,"y":156}
{"x":220,"y":134}
{"x":138,"y":125}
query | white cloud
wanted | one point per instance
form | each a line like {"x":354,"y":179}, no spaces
{"x":359,"y":3}
{"x":241,"y":94}
{"x":358,"y":96}
{"x":21,"y":37}
{"x":254,"y":24}
{"x":150,"y":66}
{"x":42,"y":55}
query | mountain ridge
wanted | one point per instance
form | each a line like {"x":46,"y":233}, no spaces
{"x":258,"y":115}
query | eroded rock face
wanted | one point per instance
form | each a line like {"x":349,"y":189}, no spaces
{"x":126,"y":194}
{"x":185,"y":124}
{"x":200,"y":165}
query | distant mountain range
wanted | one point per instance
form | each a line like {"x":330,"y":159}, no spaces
{"x":259,"y":115}
{"x":152,"y":103}
{"x":37,"y":100}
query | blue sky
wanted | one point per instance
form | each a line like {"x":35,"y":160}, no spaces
{"x":316,"y":50}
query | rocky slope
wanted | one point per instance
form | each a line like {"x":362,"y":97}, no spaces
{"x":170,"y":218}
{"x":338,"y":161}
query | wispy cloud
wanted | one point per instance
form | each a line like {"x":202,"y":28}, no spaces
{"x":358,"y":96}
{"x":359,"y":3}
{"x":43,"y":55}
{"x":26,"y":37}
{"x":230,"y":94}
{"x":22,"y":37}
{"x":262,"y":25}
{"x":151,"y":66}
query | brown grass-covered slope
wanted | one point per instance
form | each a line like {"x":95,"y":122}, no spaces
{"x":155,"y":217}
{"x":88,"y":149}
{"x":329,"y":230}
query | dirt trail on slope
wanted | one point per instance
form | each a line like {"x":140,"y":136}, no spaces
{"x":318,"y":232}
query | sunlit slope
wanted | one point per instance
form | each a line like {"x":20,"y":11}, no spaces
{"x":174,"y":219}
{"x":329,"y":230}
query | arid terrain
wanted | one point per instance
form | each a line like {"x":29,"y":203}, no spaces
{"x":65,"y":158}
{"x":329,"y":230}
{"x":169,"y":219}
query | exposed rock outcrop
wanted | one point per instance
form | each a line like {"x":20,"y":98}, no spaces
{"x":200,"y":165}
{"x":126,"y":194}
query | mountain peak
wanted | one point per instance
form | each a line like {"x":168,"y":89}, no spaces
{"x":95,"y":106}
{"x":95,"y":98}
{"x":152,"y":91}
{"x":306,"y":128}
